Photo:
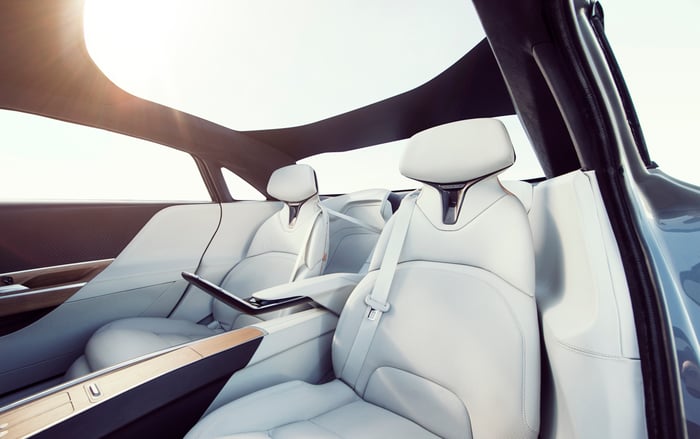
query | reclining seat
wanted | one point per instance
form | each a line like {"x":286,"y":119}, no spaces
{"x":289,"y":245}
{"x":452,"y":348}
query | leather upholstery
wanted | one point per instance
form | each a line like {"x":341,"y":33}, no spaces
{"x":350,"y":246}
{"x":521,"y":189}
{"x":293,"y":183}
{"x":299,"y":410}
{"x":271,"y":256}
{"x":459,"y":151}
{"x":457,"y":353}
{"x":269,"y":261}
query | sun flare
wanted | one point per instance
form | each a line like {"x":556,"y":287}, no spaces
{"x":125,"y":38}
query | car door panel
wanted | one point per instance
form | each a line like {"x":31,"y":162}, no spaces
{"x":26,"y":296}
{"x":46,"y":348}
{"x":143,"y":280}
{"x":157,"y":255}
{"x":36,"y":235}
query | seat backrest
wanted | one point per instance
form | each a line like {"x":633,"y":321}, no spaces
{"x":350,"y":245}
{"x":295,"y":238}
{"x":458,"y":350}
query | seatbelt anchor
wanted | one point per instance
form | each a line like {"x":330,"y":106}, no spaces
{"x":376,"y":307}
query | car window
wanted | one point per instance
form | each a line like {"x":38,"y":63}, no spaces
{"x":47,"y":159}
{"x":239,"y":188}
{"x":378,"y":166}
{"x":658,"y":50}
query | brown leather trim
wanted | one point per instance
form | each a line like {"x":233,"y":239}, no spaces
{"x":40,"y":414}
{"x":48,"y":286}
{"x":58,"y":274}
{"x":31,"y":300}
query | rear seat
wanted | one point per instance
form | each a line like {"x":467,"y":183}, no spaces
{"x":351,"y":243}
{"x":287,"y":247}
{"x":355,"y":222}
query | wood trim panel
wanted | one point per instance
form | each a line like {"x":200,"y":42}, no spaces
{"x":31,"y":300}
{"x":219,"y":343}
{"x":38,"y":415}
{"x":48,"y":287}
{"x":58,"y":274}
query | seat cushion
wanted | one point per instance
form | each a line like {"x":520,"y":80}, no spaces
{"x":300,"y":410}
{"x":131,"y":338}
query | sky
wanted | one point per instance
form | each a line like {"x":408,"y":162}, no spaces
{"x":657,"y":45}
{"x":251,"y":64}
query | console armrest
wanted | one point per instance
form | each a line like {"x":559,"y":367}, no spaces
{"x":330,"y":290}
{"x":251,"y":305}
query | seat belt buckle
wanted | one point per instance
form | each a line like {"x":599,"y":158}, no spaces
{"x":376,"y":307}
{"x":214,"y":325}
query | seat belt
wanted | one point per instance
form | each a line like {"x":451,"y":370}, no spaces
{"x":353,"y":220}
{"x":305,"y":243}
{"x":377,"y":301}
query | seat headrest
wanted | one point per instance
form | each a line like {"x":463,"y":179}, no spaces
{"x":458,"y":152}
{"x":293,"y":183}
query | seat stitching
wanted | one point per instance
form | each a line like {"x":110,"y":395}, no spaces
{"x":476,"y":267}
{"x":464,"y":404}
{"x":310,"y":419}
{"x":323,"y":426}
{"x":357,"y":398}
{"x":515,"y":321}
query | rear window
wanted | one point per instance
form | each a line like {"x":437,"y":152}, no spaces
{"x":658,"y":50}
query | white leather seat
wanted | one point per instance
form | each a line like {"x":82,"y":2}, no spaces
{"x":351,"y":244}
{"x":456,"y":354}
{"x":522,"y":190}
{"x":294,"y":239}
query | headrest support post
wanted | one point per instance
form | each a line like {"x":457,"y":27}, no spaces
{"x":294,"y":209}
{"x":452,"y":197}
{"x":453,"y":157}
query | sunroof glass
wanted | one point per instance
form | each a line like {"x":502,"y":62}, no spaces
{"x":256,"y":65}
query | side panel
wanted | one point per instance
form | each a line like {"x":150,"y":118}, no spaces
{"x":593,"y":386}
{"x":34,"y":235}
{"x":160,"y":396}
{"x":143,"y":280}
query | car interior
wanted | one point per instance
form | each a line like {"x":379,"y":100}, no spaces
{"x":473,"y":306}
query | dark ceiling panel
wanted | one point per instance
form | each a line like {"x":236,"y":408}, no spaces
{"x":472,"y":87}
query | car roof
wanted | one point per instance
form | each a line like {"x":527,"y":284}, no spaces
{"x":48,"y":71}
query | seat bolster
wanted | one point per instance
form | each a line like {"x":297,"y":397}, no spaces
{"x":522,"y":190}
{"x":80,"y":367}
{"x":273,"y":407}
{"x":300,"y":410}
{"x":428,"y":404}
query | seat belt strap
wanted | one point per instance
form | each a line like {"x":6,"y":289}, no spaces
{"x":377,"y":301}
{"x":301,"y":256}
{"x":353,"y":220}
